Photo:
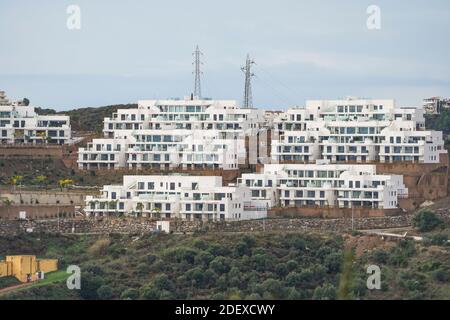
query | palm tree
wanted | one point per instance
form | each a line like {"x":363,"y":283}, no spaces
{"x":15,"y":180}
{"x":113,"y":205}
{"x":156,"y":212}
{"x":42,"y":135}
{"x":93,"y":204}
{"x":140,"y":207}
{"x":41,"y":180}
{"x":63,"y":183}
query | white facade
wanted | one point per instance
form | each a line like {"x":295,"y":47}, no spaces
{"x":325,"y":184}
{"x":21,"y":124}
{"x":174,"y":196}
{"x":187,"y":133}
{"x":354,"y":130}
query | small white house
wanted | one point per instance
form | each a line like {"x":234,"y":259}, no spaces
{"x":163,"y":226}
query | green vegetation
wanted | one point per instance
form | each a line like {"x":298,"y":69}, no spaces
{"x":426,"y":220}
{"x":88,"y":119}
{"x":232,"y":266}
{"x":48,"y":173}
{"x":440,"y":122}
{"x":8,"y":282}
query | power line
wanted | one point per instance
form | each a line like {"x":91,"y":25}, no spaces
{"x":294,"y":94}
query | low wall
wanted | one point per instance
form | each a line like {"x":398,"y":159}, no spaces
{"x":29,"y":150}
{"x":78,"y":226}
{"x":143,"y":225}
{"x":330,"y":212}
{"x":36,"y":211}
{"x":31,"y":197}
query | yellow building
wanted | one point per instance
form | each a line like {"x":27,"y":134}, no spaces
{"x":26,"y":268}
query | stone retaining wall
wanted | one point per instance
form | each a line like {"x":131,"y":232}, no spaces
{"x":30,"y":151}
{"x":77,"y":226}
{"x":36,"y":211}
{"x":143,"y":225}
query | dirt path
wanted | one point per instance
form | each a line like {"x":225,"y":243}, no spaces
{"x":8,"y":289}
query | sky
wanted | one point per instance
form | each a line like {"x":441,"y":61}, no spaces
{"x":142,"y":49}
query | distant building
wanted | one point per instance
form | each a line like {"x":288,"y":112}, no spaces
{"x":174,"y":196}
{"x":324,"y":184}
{"x":26,"y":268}
{"x":435,"y":105}
{"x":354,"y":131}
{"x":20,"y":124}
{"x":189,"y":133}
{"x":163,"y":226}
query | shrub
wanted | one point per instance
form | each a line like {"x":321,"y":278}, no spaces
{"x":293,"y":279}
{"x":105,"y":292}
{"x":196,"y":276}
{"x":299,"y":244}
{"x":294,"y":294}
{"x":426,"y":220}
{"x":149,"y":292}
{"x":441,"y":275}
{"x":249,"y":240}
{"x":181,"y":254}
{"x":130,"y":294}
{"x":380,"y":256}
{"x":218,"y":250}
{"x":220,"y":265}
{"x":143,"y":269}
{"x":325,"y":292}
{"x":440,"y":239}
{"x":262,"y":262}
{"x":242,"y":249}
{"x":200,"y":244}
{"x":358,"y":288}
{"x":273,"y":289}
{"x":203,"y":258}
{"x":333,"y":262}
{"x":281,"y":269}
{"x":89,"y":286}
{"x":292,"y":265}
{"x":162,"y":282}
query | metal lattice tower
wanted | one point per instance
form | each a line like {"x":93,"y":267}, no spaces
{"x":248,"y":103}
{"x":197,"y":85}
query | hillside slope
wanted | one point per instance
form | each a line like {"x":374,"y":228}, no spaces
{"x":88,"y":119}
{"x":236,"y":266}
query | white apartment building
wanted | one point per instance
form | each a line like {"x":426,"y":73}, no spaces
{"x":187,"y":133}
{"x":354,"y":130}
{"x":21,"y":124}
{"x":175,"y":196}
{"x":325,"y":184}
